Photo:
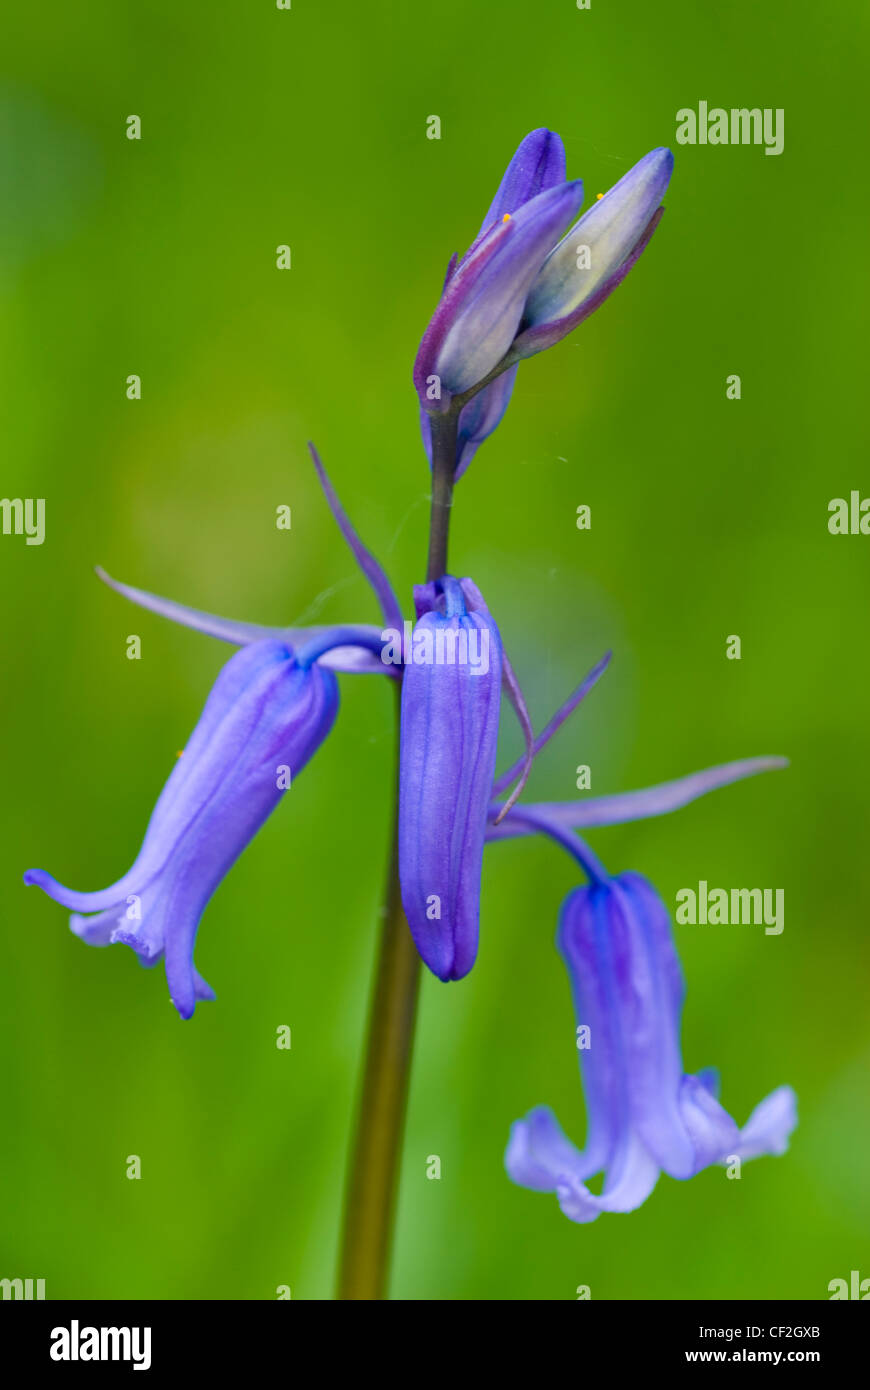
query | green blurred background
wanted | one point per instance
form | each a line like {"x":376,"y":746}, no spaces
{"x":157,"y":257}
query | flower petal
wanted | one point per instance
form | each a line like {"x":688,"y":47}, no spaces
{"x":264,"y":715}
{"x":208,"y":754}
{"x":769,"y":1126}
{"x":537,"y":164}
{"x":449,"y":733}
{"x":480,"y":310}
{"x":540,"y":1157}
{"x":612,"y":233}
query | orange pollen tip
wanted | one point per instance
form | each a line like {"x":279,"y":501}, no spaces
{"x":598,"y":197}
{"x":180,"y":753}
{"x":507,"y":217}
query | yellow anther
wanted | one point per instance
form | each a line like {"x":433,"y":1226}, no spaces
{"x":598,"y":197}
{"x":507,"y":217}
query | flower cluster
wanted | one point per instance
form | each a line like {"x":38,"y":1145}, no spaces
{"x":523,"y":285}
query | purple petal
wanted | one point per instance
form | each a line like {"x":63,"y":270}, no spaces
{"x":425,"y":598}
{"x":547,"y":334}
{"x":98,"y":930}
{"x":356,"y":660}
{"x":480,"y":310}
{"x":449,"y":733}
{"x":590,"y":940}
{"x":648,"y":992}
{"x":482,"y":416}
{"x":709,"y":1128}
{"x":539,"y":1154}
{"x":769,"y":1126}
{"x":538,"y":164}
{"x":263,"y":714}
{"x":540,"y":1157}
{"x":614,"y":230}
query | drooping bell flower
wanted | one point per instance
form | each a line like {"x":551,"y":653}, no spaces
{"x":469,"y":338}
{"x":451,"y":695}
{"x":263,"y":720}
{"x":645,"y":1116}
{"x":272,"y":705}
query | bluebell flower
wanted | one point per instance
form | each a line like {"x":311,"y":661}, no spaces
{"x":264,"y":719}
{"x":273,"y":704}
{"x":451,"y":694}
{"x":451,"y":803}
{"x":519,"y":288}
{"x":645,"y":1115}
{"x":451,"y":701}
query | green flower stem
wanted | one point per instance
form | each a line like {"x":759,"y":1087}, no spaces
{"x":373,"y":1177}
